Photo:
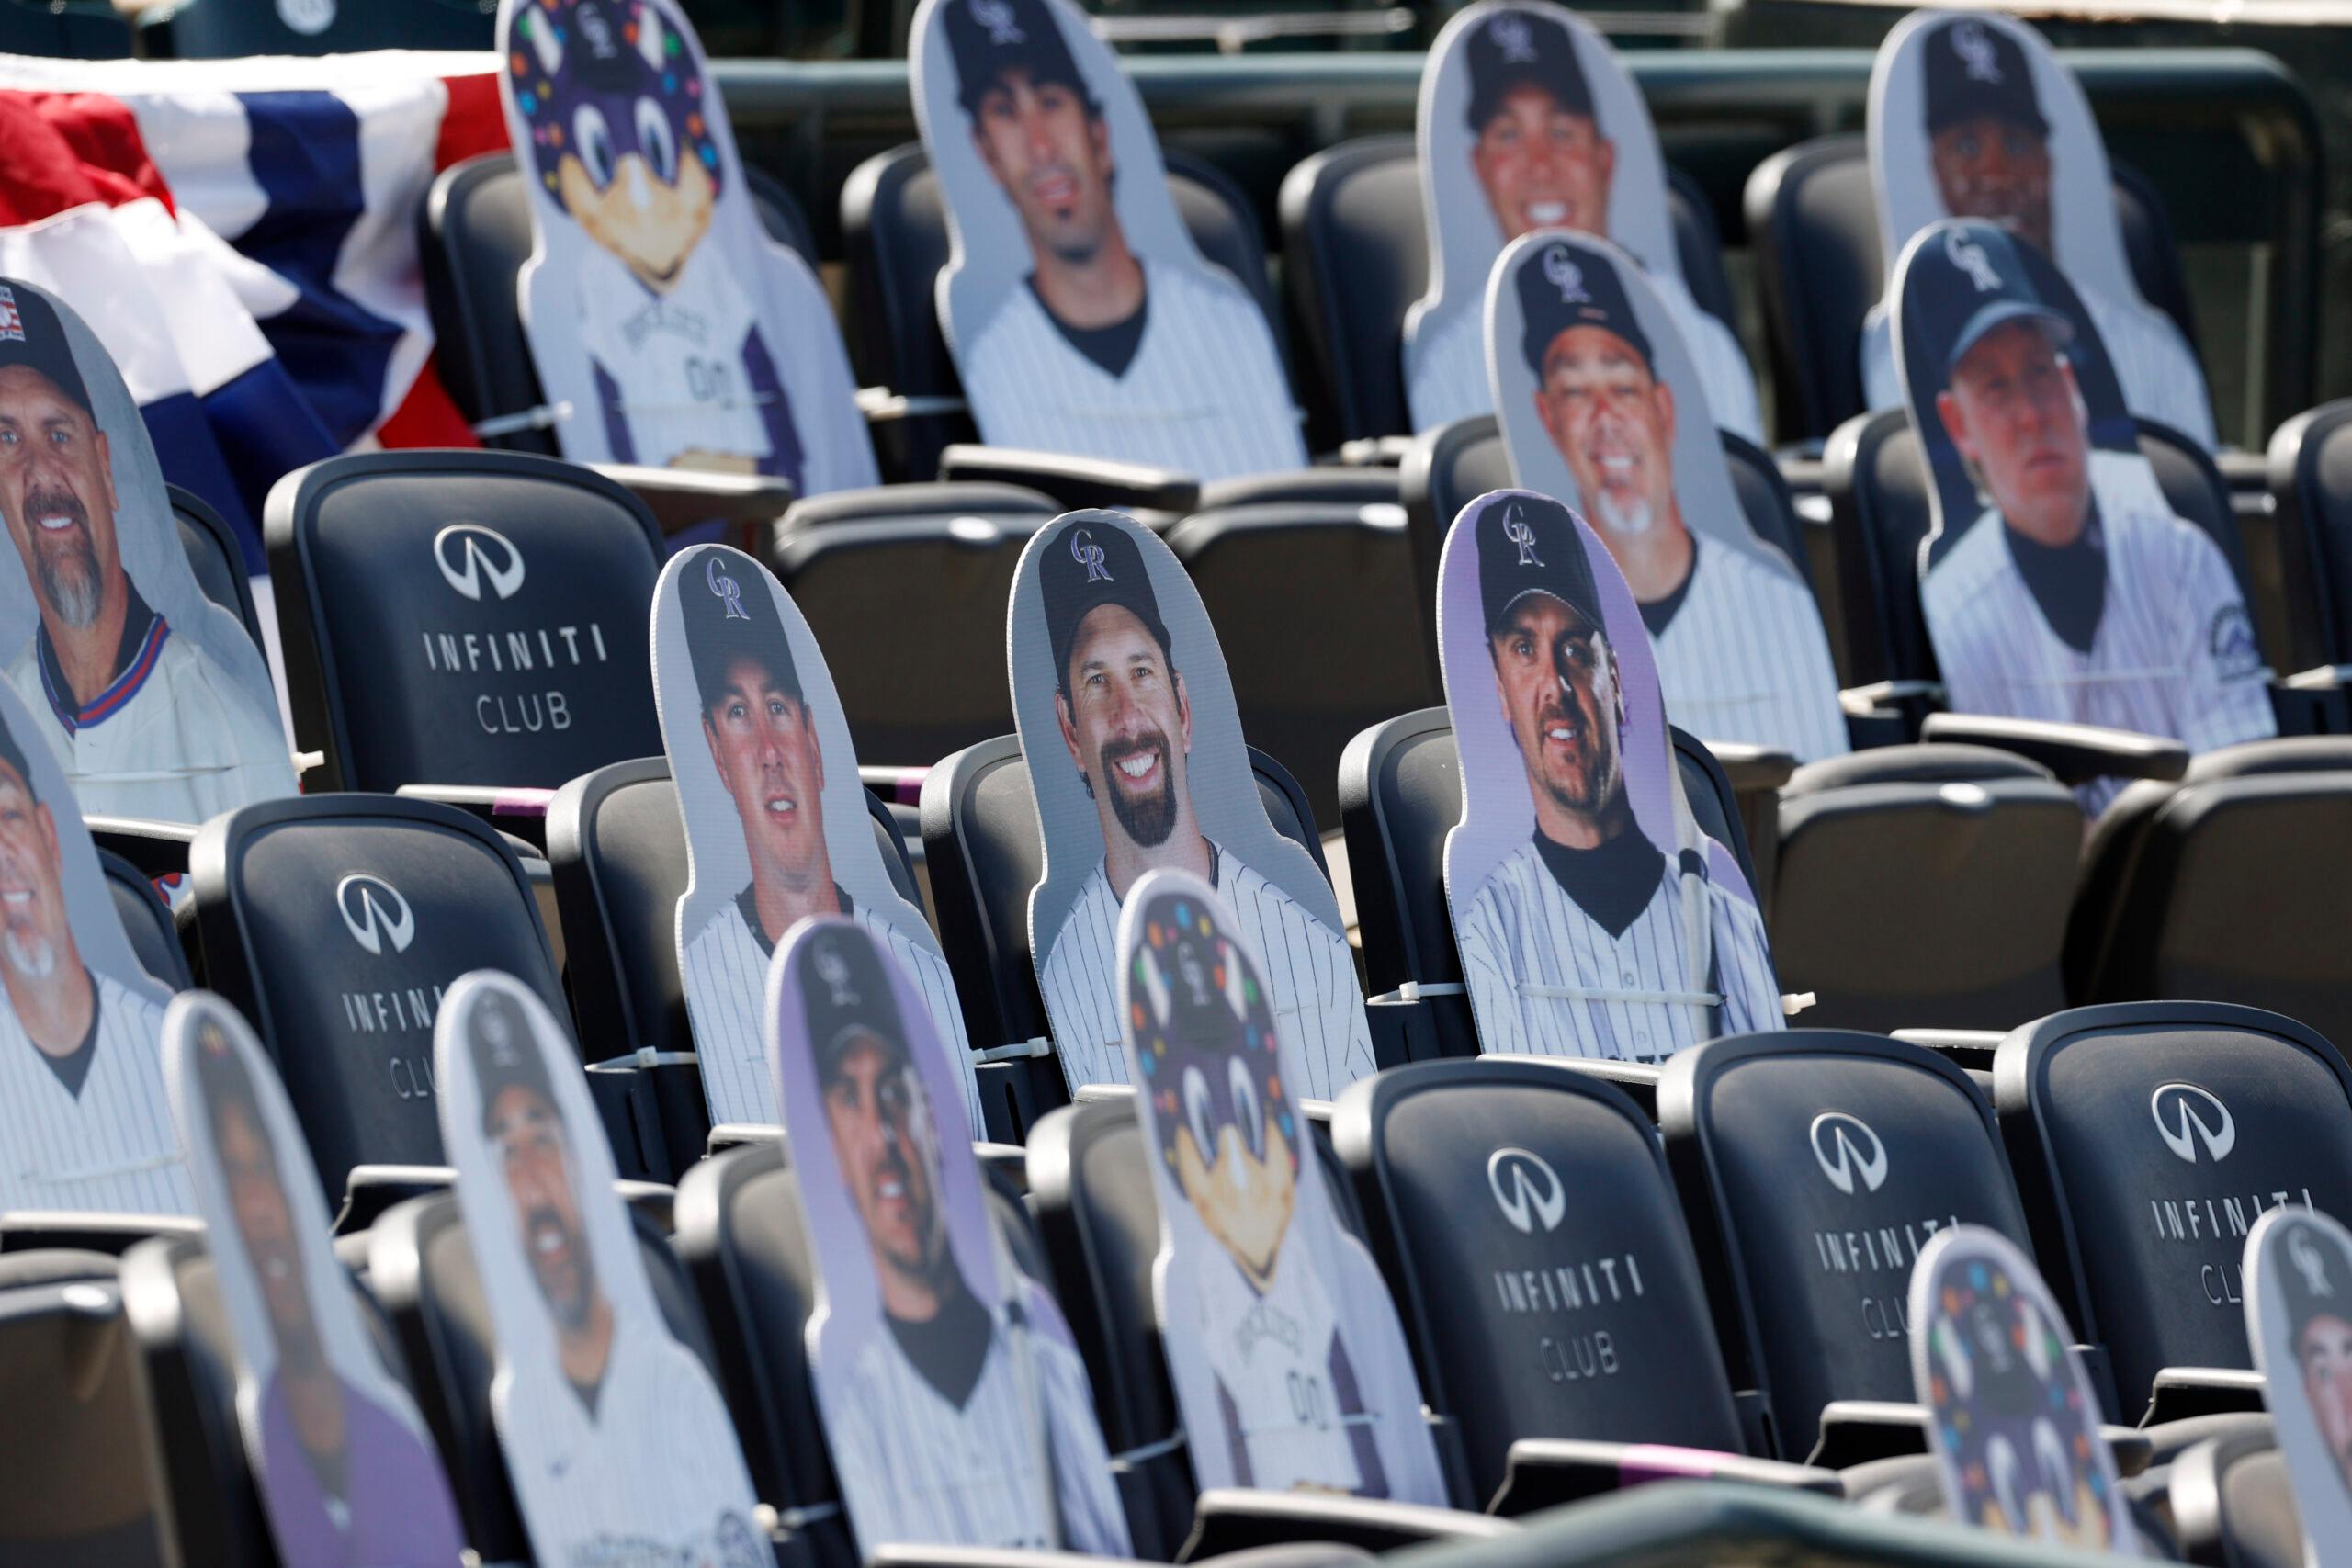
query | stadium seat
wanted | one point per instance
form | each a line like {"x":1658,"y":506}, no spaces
{"x":147,"y":921}
{"x":2223,"y":886}
{"x":334,"y":922}
{"x":35,"y":27}
{"x":1630,"y":1360}
{"x":1819,"y":267}
{"x":981,"y":850}
{"x":77,"y":1488}
{"x":2146,"y":1138}
{"x":211,"y":29}
{"x":469,"y":624}
{"x":2309,"y":533}
{"x":1813,"y":1165}
{"x":1355,"y":253}
{"x":421,"y":1269}
{"x":2232,"y":1505}
{"x":219,"y":563}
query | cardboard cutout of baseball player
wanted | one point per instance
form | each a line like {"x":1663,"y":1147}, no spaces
{"x":151,"y":697}
{"x":2012,"y":1419}
{"x":617,"y":1440}
{"x":1528,"y":122}
{"x":1290,"y":1369}
{"x":955,"y":1405}
{"x":2057,"y":583}
{"x":1971,"y":115}
{"x":347,"y":1472}
{"x":1136,"y":760}
{"x":1601,"y":406}
{"x":84,"y":1122}
{"x":777,"y":826}
{"x":2299,"y":1317}
{"x":667,"y":328}
{"x":1594,"y":919}
{"x":1083,"y":318}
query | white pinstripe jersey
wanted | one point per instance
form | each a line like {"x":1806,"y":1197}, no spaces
{"x":2154,"y":366}
{"x":2174,"y":653}
{"x":1745,"y":658}
{"x":1445,"y":371}
{"x":1309,"y":972}
{"x":726,"y":974}
{"x":1206,"y":394}
{"x":651,"y":1478}
{"x":1524,"y":934}
{"x":112,"y":1148}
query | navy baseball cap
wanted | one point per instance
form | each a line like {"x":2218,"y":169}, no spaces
{"x":1968,"y":278}
{"x":1561,"y":286}
{"x":31,"y":334}
{"x":1089,"y":563}
{"x":1512,"y":48}
{"x":1531,"y":544}
{"x":845,"y":996}
{"x":987,"y":38}
{"x":506,"y":1055}
{"x":1974,"y":69}
{"x":730,"y":615}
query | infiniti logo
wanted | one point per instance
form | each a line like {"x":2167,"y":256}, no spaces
{"x":1846,"y":1148}
{"x":2187,"y":1115}
{"x":1527,"y":1190}
{"x":469,"y":552}
{"x":373,"y":909}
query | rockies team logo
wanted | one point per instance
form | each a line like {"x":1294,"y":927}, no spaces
{"x":833,"y":969}
{"x":1517,"y":529}
{"x":1088,"y":554}
{"x":1969,"y":256}
{"x":997,"y":17}
{"x":2303,"y":1253}
{"x":1527,"y":1190}
{"x":725,"y":589}
{"x":2186,"y":1116}
{"x":1560,"y":269}
{"x":1514,"y":38}
{"x":1975,"y":51}
{"x":1847,"y":1151}
{"x":374,"y":912}
{"x":471,"y":555}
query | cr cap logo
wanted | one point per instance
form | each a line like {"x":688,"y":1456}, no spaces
{"x":2186,"y":1116}
{"x":1518,"y":532}
{"x":1527,"y":1190}
{"x":833,"y":969}
{"x":2304,"y":1254}
{"x":470,"y":554}
{"x":1514,"y":38}
{"x":1847,"y":1151}
{"x":997,"y":17}
{"x":374,"y":911}
{"x":726,"y":590}
{"x":1970,"y":42}
{"x":1560,"y":269}
{"x":1969,"y":256}
{"x":1088,"y":554}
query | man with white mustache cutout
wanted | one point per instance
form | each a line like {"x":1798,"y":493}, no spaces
{"x":144,"y":722}
{"x":87,"y":1125}
{"x":1739,"y":646}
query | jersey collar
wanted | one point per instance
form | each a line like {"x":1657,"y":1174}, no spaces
{"x":143,"y":635}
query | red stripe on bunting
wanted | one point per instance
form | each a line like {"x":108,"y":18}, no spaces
{"x":59,"y":151}
{"x":473,"y":123}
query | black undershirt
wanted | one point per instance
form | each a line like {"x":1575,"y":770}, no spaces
{"x":1611,"y":884}
{"x":73,"y":1069}
{"x":1113,"y":347}
{"x":748,"y":903}
{"x":588,"y":1392}
{"x":2069,"y":582}
{"x":1658,"y":613}
{"x":950,"y":1348}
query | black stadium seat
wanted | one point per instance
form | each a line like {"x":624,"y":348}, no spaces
{"x":210,"y":29}
{"x":213,"y":554}
{"x":1355,"y":248}
{"x":147,"y":921}
{"x":474,"y":620}
{"x":2311,"y":559}
{"x":2233,"y":1504}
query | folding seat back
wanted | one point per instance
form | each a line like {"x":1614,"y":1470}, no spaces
{"x":895,"y":237}
{"x":216,"y":556}
{"x":983,"y":856}
{"x":1534,"y":1313}
{"x":2232,"y":1502}
{"x":2147,"y":1138}
{"x":210,"y":29}
{"x":1941,"y":89}
{"x":475,"y":237}
{"x":471,"y":619}
{"x":2310,"y":498}
{"x":1528,"y":120}
{"x":666,"y":328}
{"x":79,"y":1485}
{"x":1355,"y":245}
{"x":1813,"y":1165}
{"x":147,"y":921}
{"x":335,"y":923}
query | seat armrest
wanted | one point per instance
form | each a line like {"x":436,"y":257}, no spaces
{"x":1750,"y":770}
{"x":912,"y":1556}
{"x":1968,"y":1047}
{"x":680,"y":498}
{"x":1234,"y":1519}
{"x":1855,"y":1431}
{"x":157,"y":849}
{"x":2077,"y":753}
{"x":74,"y":1230}
{"x":1544,"y":1471}
{"x":1373,"y":452}
{"x":1074,"y":483}
{"x":522,"y":812}
{"x":2181,"y":1393}
{"x":370,"y":1189}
